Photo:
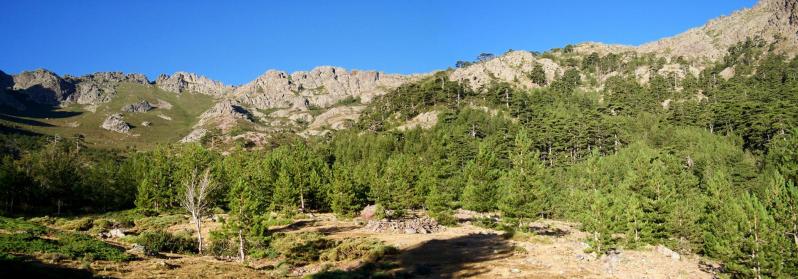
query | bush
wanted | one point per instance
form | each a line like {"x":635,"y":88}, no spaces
{"x":82,"y":224}
{"x":160,"y":241}
{"x":444,"y":218}
{"x":300,"y":248}
{"x":357,"y":248}
{"x":78,"y":246}
{"x":222,"y":245}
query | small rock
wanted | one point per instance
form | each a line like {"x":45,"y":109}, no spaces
{"x":137,"y":249}
{"x":515,"y":270}
{"x":146,"y":123}
{"x":116,"y":233}
{"x":410,"y":231}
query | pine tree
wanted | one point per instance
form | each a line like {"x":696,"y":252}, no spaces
{"x":523,"y":193}
{"x":481,"y":174}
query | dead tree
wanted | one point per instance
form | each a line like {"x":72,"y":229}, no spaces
{"x":195,"y":200}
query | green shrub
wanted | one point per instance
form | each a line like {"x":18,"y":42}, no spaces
{"x":357,"y":248}
{"x":155,"y":242}
{"x":78,"y":246}
{"x":300,"y":248}
{"x":222,"y":245}
{"x":81,"y":224}
{"x":444,"y":218}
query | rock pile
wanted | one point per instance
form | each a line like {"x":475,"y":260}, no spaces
{"x":422,"y":225}
{"x":116,"y":123}
{"x":140,"y":106}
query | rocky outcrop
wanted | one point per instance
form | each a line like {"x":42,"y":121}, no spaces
{"x":321,"y":87}
{"x":224,"y":115}
{"x":140,"y":106}
{"x":116,"y":123}
{"x":513,"y":67}
{"x":770,"y":20}
{"x":6,"y":99}
{"x":337,"y":118}
{"x":424,"y":120}
{"x":100,"y":87}
{"x":194,"y":136}
{"x":43,"y":87}
{"x":182,"y":82}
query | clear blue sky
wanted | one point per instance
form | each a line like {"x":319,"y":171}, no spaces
{"x":236,"y":41}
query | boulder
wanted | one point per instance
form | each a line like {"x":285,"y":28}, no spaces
{"x":140,"y":106}
{"x":137,"y":249}
{"x":116,"y":123}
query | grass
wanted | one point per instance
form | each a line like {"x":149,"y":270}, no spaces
{"x":21,"y":237}
{"x":185,"y":109}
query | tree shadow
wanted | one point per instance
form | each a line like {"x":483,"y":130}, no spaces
{"x":336,"y":229}
{"x":29,"y":267}
{"x":294,"y":226}
{"x":548,"y":231}
{"x":448,"y":258}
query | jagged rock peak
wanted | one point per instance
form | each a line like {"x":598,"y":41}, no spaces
{"x":181,"y":82}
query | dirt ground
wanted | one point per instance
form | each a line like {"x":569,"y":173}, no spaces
{"x":465,"y":251}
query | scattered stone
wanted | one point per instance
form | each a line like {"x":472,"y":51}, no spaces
{"x":137,"y":249}
{"x":140,"y":106}
{"x":146,"y":123}
{"x":668,"y":252}
{"x":515,"y":270}
{"x":422,"y":225}
{"x":116,"y":123}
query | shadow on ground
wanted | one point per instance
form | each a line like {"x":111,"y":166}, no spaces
{"x":31,"y":268}
{"x":449,"y":258}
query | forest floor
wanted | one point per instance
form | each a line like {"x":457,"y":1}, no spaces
{"x":553,"y":250}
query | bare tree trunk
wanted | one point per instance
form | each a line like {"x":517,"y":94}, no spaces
{"x":198,"y":226}
{"x":241,"y":245}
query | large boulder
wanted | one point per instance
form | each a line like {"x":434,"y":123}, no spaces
{"x":116,"y":123}
{"x":140,"y":106}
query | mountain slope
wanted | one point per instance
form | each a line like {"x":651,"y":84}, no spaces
{"x":329,"y":98}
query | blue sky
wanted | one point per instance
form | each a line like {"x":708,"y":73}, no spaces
{"x":236,"y":41}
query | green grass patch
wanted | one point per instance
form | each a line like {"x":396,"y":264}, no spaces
{"x":27,"y":238}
